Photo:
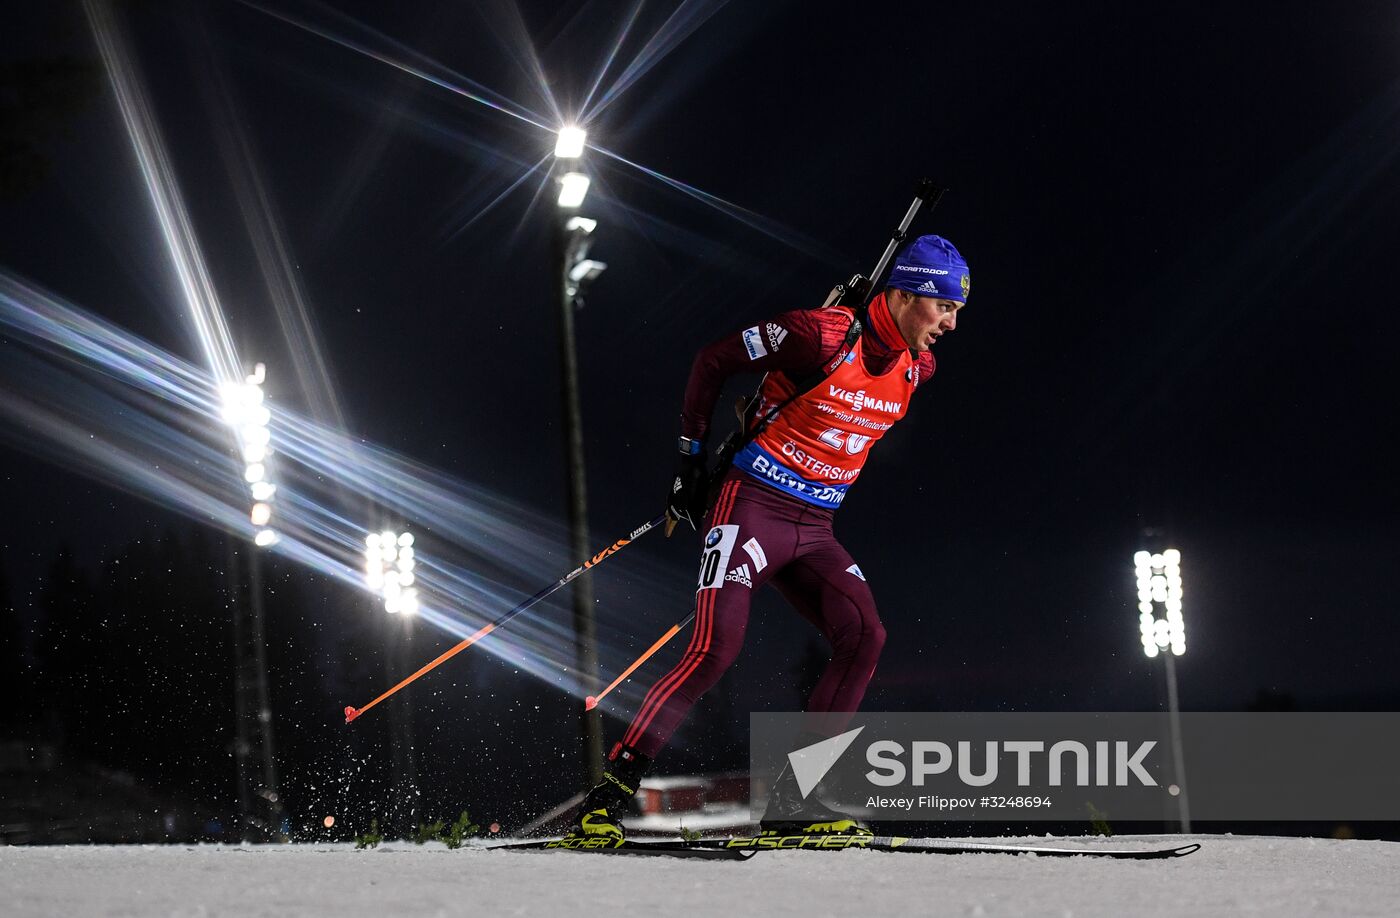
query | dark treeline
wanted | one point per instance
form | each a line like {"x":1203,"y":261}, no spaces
{"x":126,"y":663}
{"x":129,"y":666}
{"x":11,"y":649}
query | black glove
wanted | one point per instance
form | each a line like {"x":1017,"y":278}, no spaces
{"x":689,"y":491}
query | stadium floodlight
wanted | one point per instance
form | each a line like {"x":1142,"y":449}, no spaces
{"x":569,"y":144}
{"x":389,"y":564}
{"x":244,"y":410}
{"x":1159,"y":587}
{"x":573,"y":188}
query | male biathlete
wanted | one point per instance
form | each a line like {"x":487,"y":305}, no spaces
{"x":828,"y":396}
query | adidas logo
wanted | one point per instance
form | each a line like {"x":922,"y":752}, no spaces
{"x":928,"y":287}
{"x":740,"y":574}
{"x":776,"y":334}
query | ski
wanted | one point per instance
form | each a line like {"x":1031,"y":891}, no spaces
{"x":897,"y":844}
{"x":743,"y":847}
{"x":629,"y":847}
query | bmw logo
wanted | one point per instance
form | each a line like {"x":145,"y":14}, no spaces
{"x":713,"y":538}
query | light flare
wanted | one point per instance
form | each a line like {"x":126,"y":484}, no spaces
{"x":453,"y":82}
{"x":689,"y":16}
{"x":109,"y":405}
{"x":192,"y":273}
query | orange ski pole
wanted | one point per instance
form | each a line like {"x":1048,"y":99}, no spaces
{"x":591,"y":701}
{"x":352,"y":712}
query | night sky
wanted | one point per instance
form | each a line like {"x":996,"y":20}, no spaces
{"x":1181,"y":223}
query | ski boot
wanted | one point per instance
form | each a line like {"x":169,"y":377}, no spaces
{"x":789,"y":814}
{"x":601,"y":813}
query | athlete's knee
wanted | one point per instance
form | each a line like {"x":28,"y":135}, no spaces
{"x":719,"y":658}
{"x":871,"y":642}
{"x":710,"y":664}
{"x":862,"y":636}
{"x":875,"y":639}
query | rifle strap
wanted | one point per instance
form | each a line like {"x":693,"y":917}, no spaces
{"x":801,"y":386}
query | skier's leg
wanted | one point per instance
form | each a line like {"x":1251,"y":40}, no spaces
{"x":746,"y":540}
{"x":826,"y":587}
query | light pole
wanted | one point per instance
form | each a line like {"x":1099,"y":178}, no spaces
{"x":1159,"y":586}
{"x":390,"y":560}
{"x":572,"y":234}
{"x":244,"y":410}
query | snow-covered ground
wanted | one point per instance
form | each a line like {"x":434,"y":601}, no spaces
{"x":1230,"y":875}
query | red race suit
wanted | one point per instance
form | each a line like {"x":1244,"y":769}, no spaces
{"x":772,"y":519}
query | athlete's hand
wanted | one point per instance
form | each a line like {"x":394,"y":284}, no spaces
{"x":689,"y":493}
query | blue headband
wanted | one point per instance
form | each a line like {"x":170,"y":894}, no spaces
{"x":930,"y":266}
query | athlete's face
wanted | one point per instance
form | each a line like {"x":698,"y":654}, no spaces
{"x":922,"y":320}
